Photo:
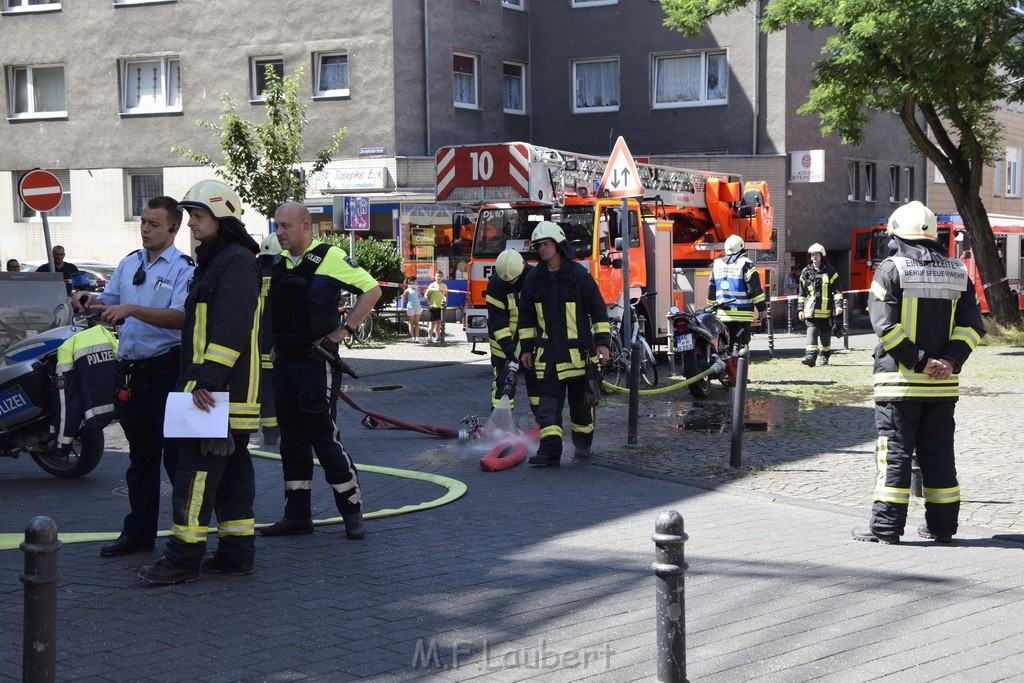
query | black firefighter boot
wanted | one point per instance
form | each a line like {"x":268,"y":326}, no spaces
{"x":825,"y":356}
{"x":810,"y":358}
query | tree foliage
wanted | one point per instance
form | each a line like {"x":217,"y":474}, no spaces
{"x":380,"y":259}
{"x":943,"y":65}
{"x":260,"y":157}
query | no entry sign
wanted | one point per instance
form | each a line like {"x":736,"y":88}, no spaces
{"x":40,"y":190}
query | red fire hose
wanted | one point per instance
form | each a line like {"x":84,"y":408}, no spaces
{"x":375,"y":420}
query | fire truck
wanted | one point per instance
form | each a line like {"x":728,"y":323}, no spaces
{"x":679,"y":226}
{"x":870,"y":246}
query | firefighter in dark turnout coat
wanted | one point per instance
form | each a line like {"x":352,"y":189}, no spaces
{"x":560,"y":302}
{"x":219,"y":352}
{"x":925,"y":312}
{"x":503,"y":319}
{"x":820,"y":297}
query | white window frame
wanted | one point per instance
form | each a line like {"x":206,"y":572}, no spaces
{"x":853,"y":181}
{"x":331,"y":92}
{"x":870,"y":181}
{"x":576,"y":4}
{"x":576,"y":108}
{"x":522,"y":87}
{"x":166,"y":105}
{"x":475,"y":104}
{"x":29,"y":75}
{"x":27,"y":215}
{"x":1013,"y":172}
{"x":256,"y":71}
{"x":519,"y":5}
{"x":894,"y":184}
{"x":702,"y":100}
{"x":22,"y":6}
{"x":129,"y":194}
{"x":908,"y":183}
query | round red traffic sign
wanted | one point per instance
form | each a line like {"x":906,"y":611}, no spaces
{"x":40,"y":190}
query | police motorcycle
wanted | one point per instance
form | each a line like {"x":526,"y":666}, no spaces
{"x":699,"y":339}
{"x":26,"y":406}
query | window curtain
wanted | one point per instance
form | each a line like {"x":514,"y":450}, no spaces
{"x":513,"y":87}
{"x":678,"y":80}
{"x":463,"y":80}
{"x":597,"y":84}
{"x":143,"y":188}
{"x":333,"y":73}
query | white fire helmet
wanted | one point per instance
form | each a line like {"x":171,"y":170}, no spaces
{"x":734,"y":244}
{"x":509,"y":265}
{"x":913,"y":221}
{"x":816,"y":249}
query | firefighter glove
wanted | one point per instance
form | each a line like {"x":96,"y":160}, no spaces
{"x":217,"y":448}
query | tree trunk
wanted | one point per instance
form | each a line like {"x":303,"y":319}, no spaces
{"x":1002,"y":304}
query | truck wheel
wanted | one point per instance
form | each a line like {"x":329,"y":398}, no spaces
{"x":83,"y":458}
{"x":694,"y":363}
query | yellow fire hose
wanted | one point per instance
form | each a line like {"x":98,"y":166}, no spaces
{"x":719,"y":366}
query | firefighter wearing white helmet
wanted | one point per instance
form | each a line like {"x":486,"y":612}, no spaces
{"x":736,"y":285}
{"x":563,"y":325}
{"x":925,"y":312}
{"x":218,"y":354}
{"x":503,"y":316}
{"x":820,"y":298}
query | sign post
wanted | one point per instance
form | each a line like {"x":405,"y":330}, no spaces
{"x":355,"y":216}
{"x":621,"y":179}
{"x":41,"y":191}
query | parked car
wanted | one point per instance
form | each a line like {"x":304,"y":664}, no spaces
{"x":98,"y":273}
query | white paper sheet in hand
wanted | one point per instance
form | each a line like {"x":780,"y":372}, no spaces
{"x":183,"y":420}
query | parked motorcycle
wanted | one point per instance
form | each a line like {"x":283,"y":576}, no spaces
{"x":26,"y":408}
{"x":699,"y":339}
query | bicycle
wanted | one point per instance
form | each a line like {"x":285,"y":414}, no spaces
{"x":363,"y":331}
{"x":616,"y":370}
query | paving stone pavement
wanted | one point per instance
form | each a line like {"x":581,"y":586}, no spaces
{"x":545,"y":574}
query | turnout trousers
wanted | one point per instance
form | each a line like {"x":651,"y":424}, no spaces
{"x":549,"y":414}
{"x":924,"y":427}
{"x":206,"y":485}
{"x":819,"y":336}
{"x":142,"y":419}
{"x":306,"y":393}
{"x":498,"y":383}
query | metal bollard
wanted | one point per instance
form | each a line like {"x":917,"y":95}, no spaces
{"x":846,"y":323}
{"x":916,"y":482}
{"x":790,"y":303}
{"x":634,"y":394}
{"x":739,"y":404}
{"x":669,"y":572}
{"x":771,"y":331}
{"x":39,"y":640}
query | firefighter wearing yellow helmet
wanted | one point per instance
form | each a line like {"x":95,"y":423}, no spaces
{"x":563,"y":325}
{"x":218,"y":354}
{"x":819,"y":299}
{"x":503,"y":315}
{"x":925,"y":312}
{"x":736,"y":285}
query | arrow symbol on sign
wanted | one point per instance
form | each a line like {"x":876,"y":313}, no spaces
{"x":615,"y":177}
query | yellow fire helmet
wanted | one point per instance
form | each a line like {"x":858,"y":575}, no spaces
{"x":270,"y":245}
{"x":734,"y":244}
{"x":509,"y":265}
{"x":214,"y":196}
{"x":816,"y":249}
{"x":913,"y":221}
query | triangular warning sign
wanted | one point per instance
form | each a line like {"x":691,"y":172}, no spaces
{"x":620,"y":177}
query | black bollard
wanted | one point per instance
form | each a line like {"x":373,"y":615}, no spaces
{"x":634,"y":394}
{"x":846,"y":324}
{"x":771,"y":331}
{"x":916,"y":482}
{"x":790,"y":303}
{"x":669,"y":572}
{"x":739,"y":403}
{"x":39,"y":640}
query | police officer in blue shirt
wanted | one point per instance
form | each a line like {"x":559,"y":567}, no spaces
{"x":146,"y":296}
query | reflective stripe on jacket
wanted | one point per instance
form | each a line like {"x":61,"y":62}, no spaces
{"x":84,"y":383}
{"x":735,"y":279}
{"x":819,"y":291}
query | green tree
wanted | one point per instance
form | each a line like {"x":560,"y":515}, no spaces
{"x":260,"y":158}
{"x":943,"y":65}
{"x":380,"y":259}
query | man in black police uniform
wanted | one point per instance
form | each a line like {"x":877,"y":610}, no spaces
{"x":925,"y":312}
{"x":146,"y":295}
{"x":305,"y":287}
{"x":220,"y":353}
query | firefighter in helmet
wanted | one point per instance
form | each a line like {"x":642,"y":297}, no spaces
{"x":563,"y":323}
{"x":502,"y":294}
{"x":270,"y":247}
{"x":820,"y":298}
{"x":219,"y":349}
{"x":736,"y":284}
{"x":924,"y":309}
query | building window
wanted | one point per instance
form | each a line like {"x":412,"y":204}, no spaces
{"x":464,"y":80}
{"x":869,"y":182}
{"x":513,"y":80}
{"x":894,"y":184}
{"x":595,"y":85}
{"x":143,"y":186}
{"x":258,"y":75}
{"x":63,"y":209}
{"x":514,"y":4}
{"x":150,"y":85}
{"x":593,"y":3}
{"x":939,"y":179}
{"x":908,"y":185}
{"x":141,"y":2}
{"x":853,"y":180}
{"x":332,"y":75}
{"x":1013,"y":171}
{"x":31,"y":5}
{"x":691,"y":79}
{"x":38,"y":92}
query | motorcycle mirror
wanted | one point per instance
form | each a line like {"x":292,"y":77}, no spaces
{"x":673,"y":310}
